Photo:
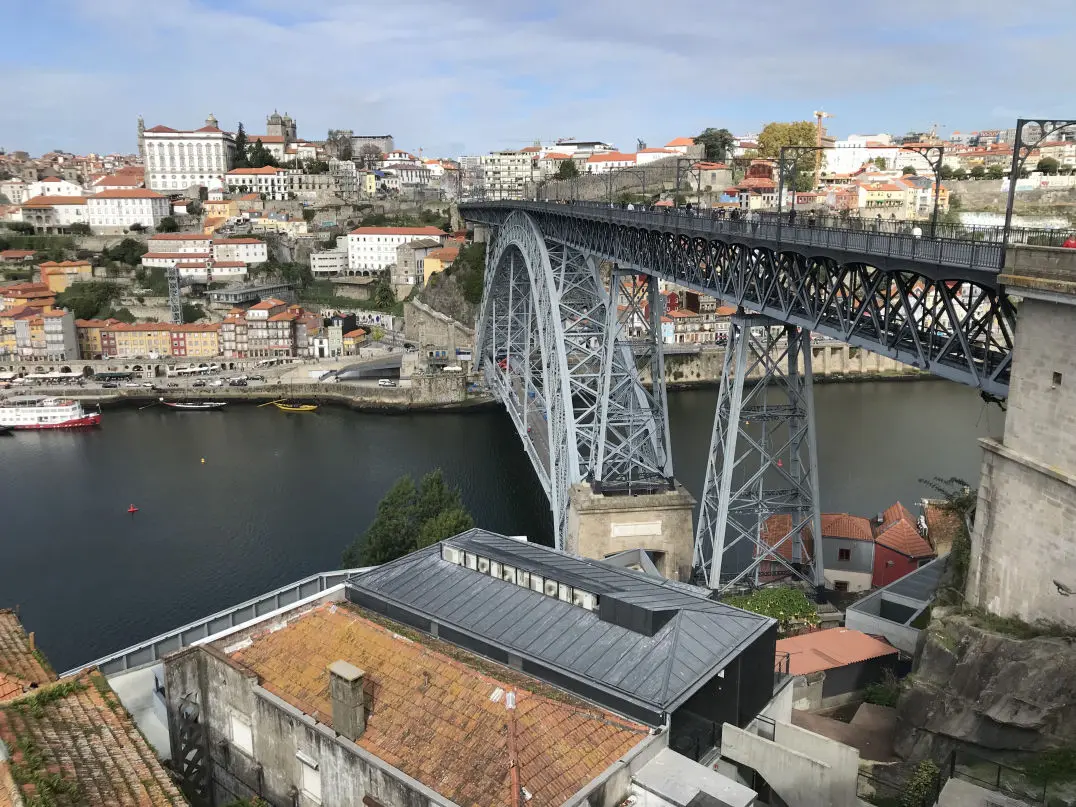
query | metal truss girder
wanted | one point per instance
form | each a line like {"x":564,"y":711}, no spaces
{"x":763,"y":476}
{"x":953,"y":323}
{"x":542,"y":343}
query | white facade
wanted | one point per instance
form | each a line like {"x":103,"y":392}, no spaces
{"x":329,"y":263}
{"x":244,"y":250}
{"x":273,"y":182}
{"x":53,"y":186}
{"x":610,"y":161}
{"x":411,"y":173}
{"x":15,"y":190}
{"x":58,"y":211}
{"x":505,"y":174}
{"x":175,"y":160}
{"x":373,"y":249}
{"x":61,"y":342}
{"x":652,"y":155}
{"x":848,"y":155}
{"x":123,"y":208}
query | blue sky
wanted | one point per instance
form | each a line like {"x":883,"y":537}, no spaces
{"x":467,"y":76}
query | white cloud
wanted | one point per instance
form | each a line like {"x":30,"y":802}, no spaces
{"x":481,"y":74}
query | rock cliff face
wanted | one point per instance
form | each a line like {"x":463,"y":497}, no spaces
{"x":979,"y":690}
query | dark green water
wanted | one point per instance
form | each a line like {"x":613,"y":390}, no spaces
{"x":279,"y":496}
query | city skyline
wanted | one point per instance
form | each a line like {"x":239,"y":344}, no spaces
{"x":460,"y":77}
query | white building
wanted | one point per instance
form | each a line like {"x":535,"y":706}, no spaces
{"x":50,"y":212}
{"x":680,"y":144}
{"x":14,"y":190}
{"x":176,"y":160}
{"x":273,"y":182}
{"x":330,"y":263}
{"x":582,"y":148}
{"x":644,"y":156}
{"x":168,"y":249}
{"x":120,"y":209}
{"x":411,"y":173}
{"x":126,"y":182}
{"x":609,"y":161}
{"x":505,"y":174}
{"x":372,"y":249}
{"x":53,"y":186}
{"x":848,"y":155}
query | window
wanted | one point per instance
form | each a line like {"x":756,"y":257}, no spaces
{"x":309,"y":776}
{"x":840,"y":585}
{"x":242,"y":737}
{"x":844,"y":554}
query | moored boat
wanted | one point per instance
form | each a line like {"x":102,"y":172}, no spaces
{"x":37,"y":412}
{"x":287,"y":407}
{"x":195,"y":406}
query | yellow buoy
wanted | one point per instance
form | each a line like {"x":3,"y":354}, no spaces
{"x":203,"y":460}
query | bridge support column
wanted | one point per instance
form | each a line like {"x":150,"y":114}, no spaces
{"x":760,"y":500}
{"x":659,"y":523}
{"x":1023,"y":548}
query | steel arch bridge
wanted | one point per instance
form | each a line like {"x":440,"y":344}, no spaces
{"x":566,"y":354}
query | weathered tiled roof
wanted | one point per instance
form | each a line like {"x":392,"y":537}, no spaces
{"x":20,"y":666}
{"x":438,"y":713}
{"x":74,"y":743}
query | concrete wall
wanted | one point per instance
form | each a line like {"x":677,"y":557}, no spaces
{"x":1022,"y":540}
{"x":603,"y":525}
{"x":803,"y":768}
{"x":807,"y":691}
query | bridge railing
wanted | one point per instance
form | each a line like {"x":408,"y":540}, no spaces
{"x":959,"y":245}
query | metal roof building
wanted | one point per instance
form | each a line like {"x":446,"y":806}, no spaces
{"x":649,"y":648}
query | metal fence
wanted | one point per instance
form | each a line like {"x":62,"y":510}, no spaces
{"x":781,"y":666}
{"x":152,"y":650}
{"x":997,"y":777}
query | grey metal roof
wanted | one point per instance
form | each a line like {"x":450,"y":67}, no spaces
{"x":919,"y":586}
{"x":660,"y":671}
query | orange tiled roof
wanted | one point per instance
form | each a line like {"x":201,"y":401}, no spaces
{"x":16,"y":254}
{"x":52,"y":201}
{"x":119,"y":180}
{"x":265,"y":170}
{"x":438,"y":713}
{"x":178,"y":237}
{"x":355,"y":334}
{"x":445,"y":254}
{"x":128,"y":193}
{"x":894,"y":513}
{"x":556,"y":155}
{"x":611,"y":156}
{"x":828,"y":649}
{"x":19,"y":665}
{"x":680,"y":141}
{"x":238,"y":241}
{"x":944,"y":524}
{"x":843,"y":525}
{"x":432,"y":231}
{"x":62,"y":264}
{"x":903,"y":537}
{"x":86,"y":738}
{"x":265,"y":305}
{"x":179,"y":256}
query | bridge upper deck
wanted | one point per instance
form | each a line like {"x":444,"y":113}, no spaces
{"x":957,"y":252}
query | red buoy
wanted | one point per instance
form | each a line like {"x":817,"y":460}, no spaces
{"x":132,"y":509}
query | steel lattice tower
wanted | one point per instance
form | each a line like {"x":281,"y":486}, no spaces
{"x":762,"y":474}
{"x":175,"y":302}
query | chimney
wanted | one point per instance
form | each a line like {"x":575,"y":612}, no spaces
{"x":346,"y":693}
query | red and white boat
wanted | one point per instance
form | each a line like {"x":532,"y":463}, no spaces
{"x":35,"y":412}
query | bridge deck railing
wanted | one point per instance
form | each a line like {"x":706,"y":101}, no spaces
{"x":974,"y":247}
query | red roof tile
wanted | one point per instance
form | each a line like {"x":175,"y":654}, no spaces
{"x":777,"y":527}
{"x":431,"y":702}
{"x":829,"y":649}
{"x":20,"y":666}
{"x":52,"y":201}
{"x":903,"y":537}
{"x":842,"y":525}
{"x":680,"y":141}
{"x":16,"y":254}
{"x":263,"y":171}
{"x":128,"y":193}
{"x":179,"y":237}
{"x":431,"y":231}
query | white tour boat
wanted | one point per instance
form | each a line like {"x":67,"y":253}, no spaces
{"x":36,"y":412}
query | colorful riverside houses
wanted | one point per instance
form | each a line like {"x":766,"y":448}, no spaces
{"x":69,"y":742}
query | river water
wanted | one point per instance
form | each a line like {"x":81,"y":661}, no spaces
{"x":279,"y":496}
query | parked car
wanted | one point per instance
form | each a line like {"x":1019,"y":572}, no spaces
{"x":386,"y":382}
{"x":238,"y":382}
{"x":110,"y":385}
{"x":198,"y":384}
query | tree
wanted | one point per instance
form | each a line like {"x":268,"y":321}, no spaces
{"x":167,"y":225}
{"x":369,"y":154}
{"x":260,"y":157}
{"x":960,"y":173}
{"x":995,"y":172}
{"x":87,"y":300}
{"x":241,"y":147}
{"x":717,"y":144}
{"x":338,"y":144}
{"x":317,"y":167}
{"x":383,"y":296}
{"x":138,"y":227}
{"x":123,"y":315}
{"x":566,"y":170}
{"x":409,"y":518}
{"x":1048,"y":165}
{"x":308,"y":214}
{"x":129,"y":251}
{"x":192,"y":312}
{"x":908,"y":170}
{"x":79,"y":228}
{"x":194,"y":207}
{"x":800,"y":133}
{"x":24,"y":227}
{"x":947,"y":172}
{"x":879,"y":163}
{"x":977,"y":172}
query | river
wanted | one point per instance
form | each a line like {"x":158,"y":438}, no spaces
{"x":279,"y":496}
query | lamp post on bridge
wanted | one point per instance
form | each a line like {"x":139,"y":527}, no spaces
{"x":934,"y":154}
{"x":798,"y":151}
{"x":1020,"y":152}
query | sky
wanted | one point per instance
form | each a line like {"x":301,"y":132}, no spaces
{"x":456,"y":77}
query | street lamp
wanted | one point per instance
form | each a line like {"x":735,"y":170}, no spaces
{"x":798,"y":151}
{"x":1020,"y":153}
{"x":934,"y":154}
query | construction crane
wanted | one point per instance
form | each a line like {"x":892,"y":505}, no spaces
{"x":819,"y":117}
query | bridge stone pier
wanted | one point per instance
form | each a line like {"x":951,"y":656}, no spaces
{"x":1023,"y":556}
{"x":660,"y":524}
